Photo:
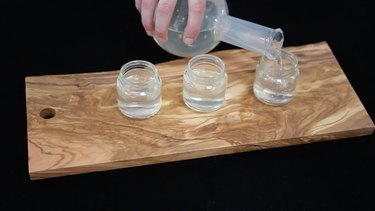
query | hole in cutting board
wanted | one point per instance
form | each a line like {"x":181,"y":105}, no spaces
{"x":47,"y":113}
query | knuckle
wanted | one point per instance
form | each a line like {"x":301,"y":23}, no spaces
{"x":197,"y":8}
{"x":147,"y":4}
{"x":138,"y":4}
{"x":165,"y":6}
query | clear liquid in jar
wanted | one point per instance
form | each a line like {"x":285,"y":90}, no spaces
{"x":208,"y":94}
{"x":138,"y":94}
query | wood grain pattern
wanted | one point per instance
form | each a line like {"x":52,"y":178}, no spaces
{"x":87,"y":133}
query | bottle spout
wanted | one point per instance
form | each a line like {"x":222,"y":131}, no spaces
{"x":251,"y":36}
{"x":275,"y":44}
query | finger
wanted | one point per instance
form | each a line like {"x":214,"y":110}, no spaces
{"x":147,"y":9}
{"x":164,"y":12}
{"x":195,"y":18}
{"x":138,"y":5}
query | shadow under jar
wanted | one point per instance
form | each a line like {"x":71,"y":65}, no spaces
{"x":205,"y":83}
{"x":139,"y":89}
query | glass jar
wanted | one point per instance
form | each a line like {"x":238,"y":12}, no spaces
{"x":139,"y":89}
{"x":205,"y":83}
{"x":275,"y":79}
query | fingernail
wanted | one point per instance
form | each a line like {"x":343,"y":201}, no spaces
{"x":149,"y":33}
{"x":161,"y":40}
{"x":188,"y":41}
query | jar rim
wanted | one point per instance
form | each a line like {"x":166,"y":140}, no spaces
{"x":140,"y":64}
{"x":207,"y":59}
{"x":292,"y":59}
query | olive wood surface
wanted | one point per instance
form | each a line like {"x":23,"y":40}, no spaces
{"x":74,"y":125}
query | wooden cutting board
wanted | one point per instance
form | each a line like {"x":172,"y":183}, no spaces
{"x":74,"y":125}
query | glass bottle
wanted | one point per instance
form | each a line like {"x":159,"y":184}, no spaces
{"x":139,"y":89}
{"x":205,"y":83}
{"x":218,"y":26}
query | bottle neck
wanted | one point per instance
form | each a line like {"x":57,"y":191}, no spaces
{"x":251,"y":36}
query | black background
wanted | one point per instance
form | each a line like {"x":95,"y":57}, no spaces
{"x":40,"y":38}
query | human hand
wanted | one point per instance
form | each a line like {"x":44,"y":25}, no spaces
{"x":163,"y":11}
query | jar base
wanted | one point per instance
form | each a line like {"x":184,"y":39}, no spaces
{"x":137,"y":112}
{"x":203,"y":106}
{"x":271,"y":98}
